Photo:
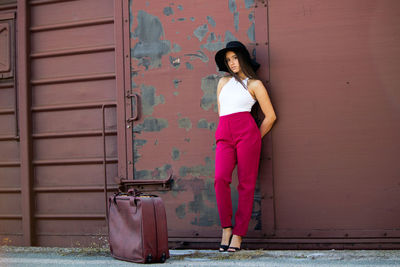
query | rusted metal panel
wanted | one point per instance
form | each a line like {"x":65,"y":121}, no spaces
{"x":334,"y":69}
{"x":174,"y":74}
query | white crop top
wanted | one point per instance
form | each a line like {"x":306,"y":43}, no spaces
{"x":235,"y":98}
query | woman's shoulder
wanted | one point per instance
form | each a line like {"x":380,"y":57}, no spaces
{"x":254,"y":82}
{"x":223,"y":80}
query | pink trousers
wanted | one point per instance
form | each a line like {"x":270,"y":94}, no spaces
{"x":238,"y":142}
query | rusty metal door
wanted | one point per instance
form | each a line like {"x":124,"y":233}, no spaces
{"x":173,"y":112}
{"x":334,"y":77}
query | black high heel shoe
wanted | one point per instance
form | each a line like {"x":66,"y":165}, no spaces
{"x":223,"y":248}
{"x":234,"y":249}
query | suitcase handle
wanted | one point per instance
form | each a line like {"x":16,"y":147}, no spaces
{"x":132,"y":201}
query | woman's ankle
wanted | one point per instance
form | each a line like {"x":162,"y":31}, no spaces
{"x":226,"y":236}
{"x":236,"y":240}
{"x":227,"y":230}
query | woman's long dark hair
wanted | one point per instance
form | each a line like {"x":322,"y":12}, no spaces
{"x":247,"y":69}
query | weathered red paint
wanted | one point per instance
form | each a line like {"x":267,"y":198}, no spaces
{"x":176,"y":82}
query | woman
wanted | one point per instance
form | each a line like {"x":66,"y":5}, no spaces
{"x":238,"y":138}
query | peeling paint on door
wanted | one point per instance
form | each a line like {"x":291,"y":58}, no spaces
{"x":209,"y":87}
{"x":150,"y":47}
{"x":176,"y":80}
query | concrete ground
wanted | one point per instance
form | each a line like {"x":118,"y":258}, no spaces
{"x":85,"y":257}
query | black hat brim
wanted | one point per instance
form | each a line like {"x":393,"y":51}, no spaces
{"x":220,"y":58}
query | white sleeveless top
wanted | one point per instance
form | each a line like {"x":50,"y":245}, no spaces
{"x":235,"y":98}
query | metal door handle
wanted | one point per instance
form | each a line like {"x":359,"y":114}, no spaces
{"x":135,"y":117}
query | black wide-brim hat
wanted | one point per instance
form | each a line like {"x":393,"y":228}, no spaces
{"x":234,"y":46}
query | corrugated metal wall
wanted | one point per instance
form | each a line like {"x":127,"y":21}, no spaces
{"x":72,"y":76}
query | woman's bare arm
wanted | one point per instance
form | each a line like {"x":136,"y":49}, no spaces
{"x":260,"y":93}
{"x":221,"y":84}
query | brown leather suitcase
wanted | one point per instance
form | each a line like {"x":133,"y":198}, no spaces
{"x":137,"y":226}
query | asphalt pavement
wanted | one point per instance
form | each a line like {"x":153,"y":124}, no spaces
{"x":86,"y":257}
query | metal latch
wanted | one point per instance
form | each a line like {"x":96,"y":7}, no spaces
{"x":146,"y":185}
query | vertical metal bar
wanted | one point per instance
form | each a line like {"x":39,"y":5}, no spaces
{"x":16,"y":113}
{"x":13,"y":42}
{"x":120,"y":87}
{"x":25,"y":121}
{"x":266,"y":172}
{"x":128,"y":101}
{"x":103,"y":134}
